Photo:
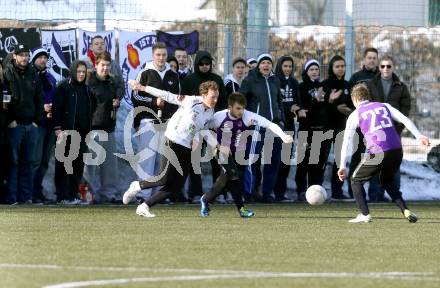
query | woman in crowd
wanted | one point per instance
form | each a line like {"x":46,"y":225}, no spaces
{"x":72,"y":110}
{"x":340,"y":106}
{"x":313,"y":146}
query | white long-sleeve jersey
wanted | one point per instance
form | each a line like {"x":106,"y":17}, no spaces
{"x":190,"y":118}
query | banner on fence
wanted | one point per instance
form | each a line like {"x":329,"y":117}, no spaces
{"x":11,"y":37}
{"x":61,"y":46}
{"x":134,"y":53}
{"x":85,"y":40}
{"x":189,"y":41}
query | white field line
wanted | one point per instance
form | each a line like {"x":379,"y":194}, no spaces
{"x":215,"y":274}
{"x":391,"y":275}
{"x":127,"y":269}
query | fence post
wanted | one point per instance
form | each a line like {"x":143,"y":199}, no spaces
{"x":100,"y":15}
{"x":228,"y":50}
{"x":257,"y":39}
{"x":349,"y":40}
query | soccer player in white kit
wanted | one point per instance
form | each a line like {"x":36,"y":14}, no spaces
{"x":192,"y":116}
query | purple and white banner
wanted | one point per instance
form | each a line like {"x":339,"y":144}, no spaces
{"x":61,"y":46}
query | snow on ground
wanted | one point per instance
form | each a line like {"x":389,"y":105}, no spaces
{"x":419,"y":181}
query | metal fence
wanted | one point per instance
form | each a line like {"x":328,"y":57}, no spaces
{"x":405,"y":29}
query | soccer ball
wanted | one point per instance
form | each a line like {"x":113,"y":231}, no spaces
{"x":316,"y":195}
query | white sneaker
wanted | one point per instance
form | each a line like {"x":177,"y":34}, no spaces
{"x":361,"y":218}
{"x":144,"y":210}
{"x":131,"y":192}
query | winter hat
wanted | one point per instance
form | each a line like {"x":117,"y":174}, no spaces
{"x":37,"y":52}
{"x":251,"y":60}
{"x":20,"y":49}
{"x":264,"y":56}
{"x":310,"y":63}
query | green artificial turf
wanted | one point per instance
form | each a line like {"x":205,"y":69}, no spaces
{"x":180,"y":249}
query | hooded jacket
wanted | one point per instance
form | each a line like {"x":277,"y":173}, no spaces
{"x":263,"y":95}
{"x":73,"y":104}
{"x":191,"y":83}
{"x":103,"y":92}
{"x":317,"y":112}
{"x":337,"y":120}
{"x":362,"y":76}
{"x":231,"y":84}
{"x":398,"y":96}
{"x":165,"y":80}
{"x":289,"y":90}
{"x":26,"y":92}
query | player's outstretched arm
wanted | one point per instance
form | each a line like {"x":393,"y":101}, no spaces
{"x":165,"y":95}
{"x":399,"y":117}
{"x":250,"y":118}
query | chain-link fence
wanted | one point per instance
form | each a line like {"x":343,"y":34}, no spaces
{"x":405,"y":29}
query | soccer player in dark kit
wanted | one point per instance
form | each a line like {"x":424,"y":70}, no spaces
{"x":229,"y":125}
{"x":384,"y":156}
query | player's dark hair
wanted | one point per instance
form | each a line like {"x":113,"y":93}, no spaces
{"x":360,"y":92}
{"x":96,"y":37}
{"x":239,"y":60}
{"x":370,"y":49}
{"x":159,"y":45}
{"x":206,"y":86}
{"x":103,"y":57}
{"x":236,"y":97}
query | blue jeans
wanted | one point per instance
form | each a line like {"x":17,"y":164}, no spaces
{"x":270,"y":171}
{"x":23,"y":140}
{"x":43,"y":151}
{"x":102,"y":179}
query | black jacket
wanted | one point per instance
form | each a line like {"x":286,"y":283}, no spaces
{"x":103,"y":92}
{"x":26,"y":92}
{"x":362,"y":76}
{"x":69,"y":94}
{"x":398,"y":96}
{"x":191,"y":83}
{"x":337,"y":119}
{"x":150,"y":76}
{"x":263,"y":95}
{"x":231,"y":85}
{"x":3,"y":119}
{"x":317,"y":111}
{"x":289,"y":91}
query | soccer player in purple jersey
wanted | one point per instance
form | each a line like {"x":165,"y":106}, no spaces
{"x":384,"y":156}
{"x":229,"y":125}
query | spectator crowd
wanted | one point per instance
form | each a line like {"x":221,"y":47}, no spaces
{"x":37,"y":115}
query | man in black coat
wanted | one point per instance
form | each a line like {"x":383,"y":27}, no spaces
{"x":386,"y":87}
{"x":24,"y":114}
